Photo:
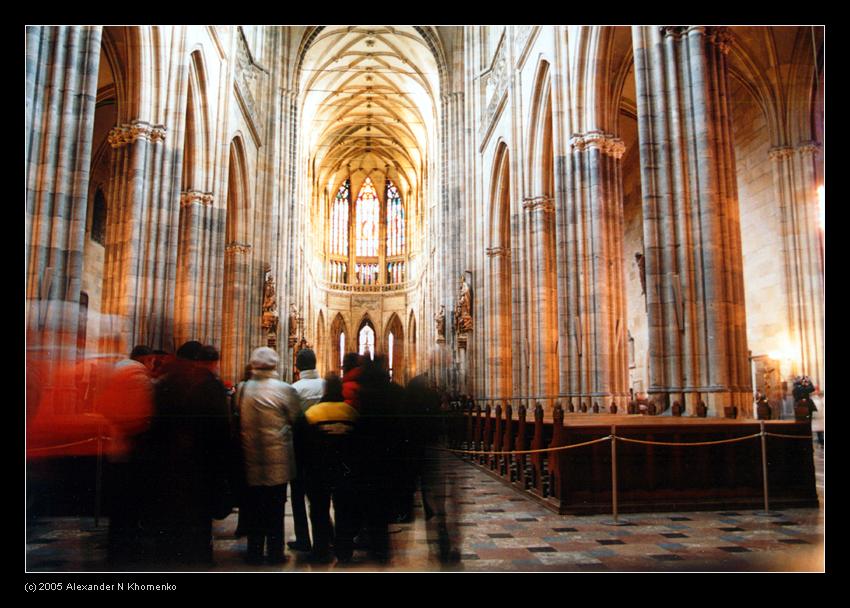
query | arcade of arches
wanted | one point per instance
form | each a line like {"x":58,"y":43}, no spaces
{"x":592,"y":213}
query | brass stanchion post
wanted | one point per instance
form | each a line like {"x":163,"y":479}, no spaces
{"x":614,"y":470}
{"x":764,"y":466}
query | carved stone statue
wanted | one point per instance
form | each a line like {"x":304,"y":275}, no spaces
{"x":463,"y":310}
{"x":269,"y":295}
{"x":270,"y":318}
{"x":440,"y":319}
{"x":293,"y":322}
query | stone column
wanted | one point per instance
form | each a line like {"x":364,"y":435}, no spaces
{"x":694,"y":268}
{"x":499,"y":346}
{"x":796,"y":181}
{"x":141,"y":235}
{"x":202,"y":225}
{"x":236,"y":316}
{"x":60,"y":91}
{"x":597,"y":354}
{"x":541,"y":210}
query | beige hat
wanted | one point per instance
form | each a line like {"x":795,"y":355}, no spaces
{"x":264,"y":358}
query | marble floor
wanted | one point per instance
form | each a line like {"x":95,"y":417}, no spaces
{"x":497,"y":530}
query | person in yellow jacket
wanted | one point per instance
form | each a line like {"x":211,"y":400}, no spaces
{"x":331,"y":464}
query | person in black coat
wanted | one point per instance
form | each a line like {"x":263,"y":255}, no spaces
{"x":187,"y":452}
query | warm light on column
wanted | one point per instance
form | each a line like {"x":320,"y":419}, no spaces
{"x":821,"y":208}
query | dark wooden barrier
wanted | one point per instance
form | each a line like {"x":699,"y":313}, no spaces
{"x":487,"y":436}
{"x":652,"y":477}
{"x":493,"y":461}
{"x":507,"y":442}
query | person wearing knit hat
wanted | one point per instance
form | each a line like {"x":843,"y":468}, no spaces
{"x":268,"y":411}
{"x":264,"y":358}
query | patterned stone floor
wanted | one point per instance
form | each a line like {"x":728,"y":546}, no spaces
{"x":501,"y":531}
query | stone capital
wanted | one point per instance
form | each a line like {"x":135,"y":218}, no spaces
{"x":122,"y":135}
{"x":498,"y":251}
{"x":777,"y":153}
{"x":191,"y":197}
{"x":809,"y":147}
{"x":236,"y":247}
{"x":542,"y":203}
{"x":605,"y":142}
{"x":722,"y":37}
{"x":674,"y":31}
{"x":698,"y":30}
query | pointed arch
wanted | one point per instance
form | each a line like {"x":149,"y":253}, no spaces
{"x":542,"y":280}
{"x":501,"y":292}
{"x":321,"y":347}
{"x":539,"y":171}
{"x":393,"y":347}
{"x":196,"y":148}
{"x":411,"y":347}
{"x":338,"y":347}
{"x":237,"y":258}
{"x":367,"y":335}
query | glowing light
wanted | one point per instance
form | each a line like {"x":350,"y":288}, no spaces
{"x":785,"y":353}
{"x":821,"y":208}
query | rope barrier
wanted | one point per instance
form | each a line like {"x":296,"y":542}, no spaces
{"x":557,"y":449}
{"x":787,"y":436}
{"x":627,"y":440}
{"x":670,"y":443}
{"x":67,"y":445}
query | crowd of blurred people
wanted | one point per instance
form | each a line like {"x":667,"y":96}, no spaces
{"x":184,"y":449}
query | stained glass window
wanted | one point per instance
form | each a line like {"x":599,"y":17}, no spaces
{"x":341,"y":347}
{"x":367,"y":220}
{"x":339,"y":220}
{"x":391,"y":344}
{"x":367,"y":274}
{"x":367,"y":341}
{"x":395,"y":221}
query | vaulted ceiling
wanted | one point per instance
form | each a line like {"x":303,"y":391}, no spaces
{"x":369,"y":102}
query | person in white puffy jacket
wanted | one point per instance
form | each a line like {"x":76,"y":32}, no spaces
{"x":268,"y":411}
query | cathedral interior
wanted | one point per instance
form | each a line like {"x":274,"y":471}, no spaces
{"x":578,"y":221}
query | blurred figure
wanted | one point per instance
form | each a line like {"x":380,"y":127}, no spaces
{"x":186,"y":452}
{"x":330,"y":467}
{"x":158,"y":359}
{"x":378,"y":447}
{"x":126,"y":400}
{"x":310,"y":389}
{"x":209,"y":359}
{"x":431,"y":424}
{"x":352,"y":370}
{"x":268,"y":411}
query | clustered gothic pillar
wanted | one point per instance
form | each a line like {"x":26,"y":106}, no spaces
{"x":596,"y":353}
{"x":541,"y":210}
{"x":141,"y":235}
{"x":61,"y":89}
{"x":199,"y":277}
{"x":694,"y":276}
{"x":236,"y":313}
{"x":796,"y":181}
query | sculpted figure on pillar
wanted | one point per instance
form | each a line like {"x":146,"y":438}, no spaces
{"x":270,"y":318}
{"x":293,"y":324}
{"x":463,"y":310}
{"x":440,"y":320}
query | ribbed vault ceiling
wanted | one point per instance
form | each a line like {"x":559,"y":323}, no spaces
{"x":369,"y":102}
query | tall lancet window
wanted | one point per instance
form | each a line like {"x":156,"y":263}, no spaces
{"x":339,"y":220}
{"x":368,"y":219}
{"x":367,"y":342}
{"x":395,"y":221}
